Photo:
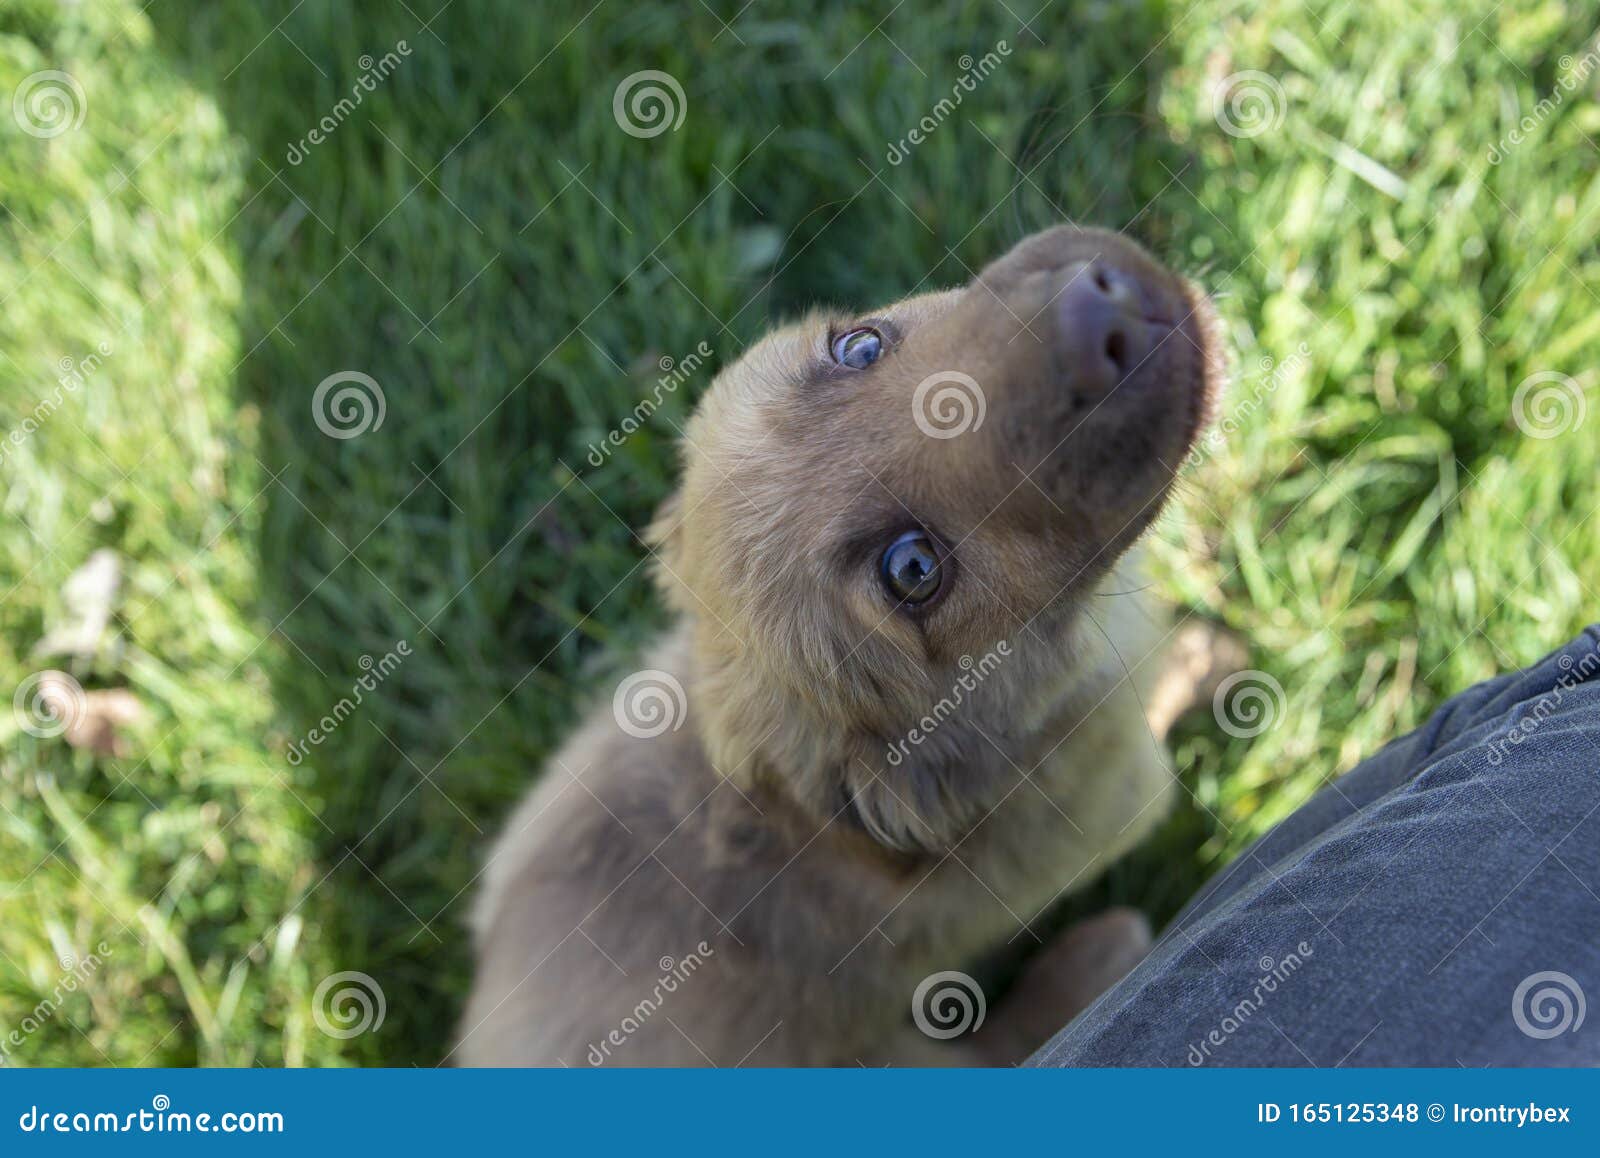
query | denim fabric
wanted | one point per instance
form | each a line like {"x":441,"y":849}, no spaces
{"x":1439,"y":905}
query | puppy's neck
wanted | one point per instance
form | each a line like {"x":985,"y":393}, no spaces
{"x":1008,"y":716}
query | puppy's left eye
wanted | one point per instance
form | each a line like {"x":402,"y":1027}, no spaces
{"x":859,"y":348}
{"x":912,"y":570}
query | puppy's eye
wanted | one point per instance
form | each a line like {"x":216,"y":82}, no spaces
{"x":859,"y":348}
{"x":911,"y":568}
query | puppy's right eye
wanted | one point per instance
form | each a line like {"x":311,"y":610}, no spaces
{"x":859,"y":348}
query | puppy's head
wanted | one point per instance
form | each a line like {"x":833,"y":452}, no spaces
{"x":873,"y":505}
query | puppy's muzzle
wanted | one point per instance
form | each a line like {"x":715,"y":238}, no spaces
{"x":1107,"y":325}
{"x":1103,"y":378}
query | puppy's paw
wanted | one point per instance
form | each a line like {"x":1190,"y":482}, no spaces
{"x":1084,"y":960}
{"x":1061,"y":980}
{"x":1094,"y":954}
{"x":1200,"y":656}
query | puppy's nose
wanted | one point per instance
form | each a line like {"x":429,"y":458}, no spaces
{"x":1102,"y":327}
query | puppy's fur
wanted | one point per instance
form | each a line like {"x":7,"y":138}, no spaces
{"x":769,"y":881}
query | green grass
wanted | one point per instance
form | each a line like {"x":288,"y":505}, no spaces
{"x":481,"y":238}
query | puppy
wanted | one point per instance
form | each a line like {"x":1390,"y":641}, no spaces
{"x":902,"y":709}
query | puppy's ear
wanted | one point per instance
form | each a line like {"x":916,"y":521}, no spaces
{"x":665,"y":537}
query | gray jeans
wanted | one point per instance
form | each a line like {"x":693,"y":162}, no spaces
{"x":1439,"y":905}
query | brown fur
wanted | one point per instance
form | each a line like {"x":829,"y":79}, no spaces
{"x":769,"y":839}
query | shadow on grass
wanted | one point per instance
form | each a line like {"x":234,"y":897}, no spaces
{"x":486,"y":245}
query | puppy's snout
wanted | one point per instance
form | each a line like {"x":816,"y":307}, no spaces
{"x":1104,"y":327}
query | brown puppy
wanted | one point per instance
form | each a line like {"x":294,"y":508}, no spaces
{"x":898,"y":716}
